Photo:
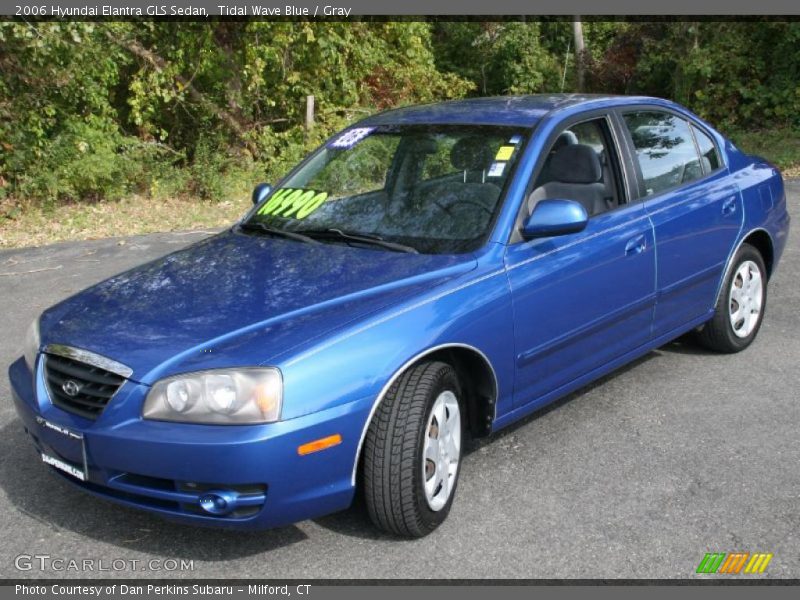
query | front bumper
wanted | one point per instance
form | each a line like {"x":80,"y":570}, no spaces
{"x":168,"y":468}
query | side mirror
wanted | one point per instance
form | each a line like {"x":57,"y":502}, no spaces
{"x":554,"y":217}
{"x":260,"y":192}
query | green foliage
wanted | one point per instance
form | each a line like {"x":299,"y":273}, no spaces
{"x":56,"y":110}
{"x":500,"y":57}
{"x":95,"y":111}
{"x":100,"y":110}
{"x":781,"y":146}
{"x":736,"y":74}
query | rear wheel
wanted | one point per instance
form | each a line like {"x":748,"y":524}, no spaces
{"x":412,"y":451}
{"x":740,"y":308}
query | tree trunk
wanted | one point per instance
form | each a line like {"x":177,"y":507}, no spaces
{"x":580,"y":59}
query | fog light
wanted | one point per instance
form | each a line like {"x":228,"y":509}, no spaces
{"x":218,"y":502}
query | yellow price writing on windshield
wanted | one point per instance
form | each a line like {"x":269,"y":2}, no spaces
{"x":293,"y":203}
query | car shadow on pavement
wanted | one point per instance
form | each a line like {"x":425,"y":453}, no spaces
{"x":45,"y":497}
{"x":354,"y":522}
{"x":687,"y":344}
{"x":581,"y":392}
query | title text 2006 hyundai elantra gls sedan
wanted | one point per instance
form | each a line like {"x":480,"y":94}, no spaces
{"x":430,"y":273}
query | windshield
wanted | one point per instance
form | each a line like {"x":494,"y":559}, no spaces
{"x":429,"y":189}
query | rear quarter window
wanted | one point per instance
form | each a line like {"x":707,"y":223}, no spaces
{"x":708,"y":151}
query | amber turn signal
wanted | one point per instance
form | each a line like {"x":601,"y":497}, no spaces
{"x":320,"y":444}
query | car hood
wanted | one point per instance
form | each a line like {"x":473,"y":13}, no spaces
{"x":192,"y":309}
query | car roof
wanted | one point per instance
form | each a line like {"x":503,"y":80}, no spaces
{"x":519,"y":111}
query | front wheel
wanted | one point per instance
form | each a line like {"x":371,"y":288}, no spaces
{"x":740,"y":308}
{"x":412,"y":451}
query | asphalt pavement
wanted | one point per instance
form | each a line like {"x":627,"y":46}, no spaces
{"x":639,"y":475}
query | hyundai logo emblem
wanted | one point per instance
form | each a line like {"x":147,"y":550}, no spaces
{"x":71,"y":388}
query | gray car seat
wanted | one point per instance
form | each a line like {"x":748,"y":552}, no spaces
{"x":565,"y":138}
{"x":576,"y":175}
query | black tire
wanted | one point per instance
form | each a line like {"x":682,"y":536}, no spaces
{"x":718,"y":333}
{"x":393,"y":479}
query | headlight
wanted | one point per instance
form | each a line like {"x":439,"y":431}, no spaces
{"x":223,"y":397}
{"x":31,"y":347}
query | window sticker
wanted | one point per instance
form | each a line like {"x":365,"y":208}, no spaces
{"x":351,"y":137}
{"x":496,"y":170}
{"x":295,"y":203}
{"x":504,"y":153}
{"x":515,"y":139}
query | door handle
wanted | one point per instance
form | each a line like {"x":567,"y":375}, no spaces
{"x":636,"y":245}
{"x":729,"y":206}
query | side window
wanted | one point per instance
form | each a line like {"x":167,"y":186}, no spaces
{"x":581,"y":165}
{"x":664,"y":148}
{"x":708,"y":151}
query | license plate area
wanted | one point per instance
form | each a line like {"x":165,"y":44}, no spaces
{"x":63,"y":449}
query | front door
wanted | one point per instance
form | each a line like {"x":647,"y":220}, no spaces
{"x":581,"y":300}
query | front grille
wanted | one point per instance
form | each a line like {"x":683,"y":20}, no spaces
{"x":91,"y":387}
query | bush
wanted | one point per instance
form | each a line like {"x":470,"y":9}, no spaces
{"x":86,"y":160}
{"x":95,"y":111}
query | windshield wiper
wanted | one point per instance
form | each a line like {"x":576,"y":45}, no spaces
{"x":361,"y":238}
{"x":257,"y":226}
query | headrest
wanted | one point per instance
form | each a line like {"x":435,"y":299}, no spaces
{"x":471,"y":154}
{"x":423,"y":145}
{"x":566,"y":138}
{"x":576,"y":164}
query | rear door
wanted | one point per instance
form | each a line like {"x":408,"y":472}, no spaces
{"x":695,"y":207}
{"x":581,"y":300}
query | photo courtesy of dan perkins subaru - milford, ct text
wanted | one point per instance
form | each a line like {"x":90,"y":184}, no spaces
{"x":150,"y":589}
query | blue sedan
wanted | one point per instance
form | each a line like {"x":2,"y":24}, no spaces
{"x":430,"y":274}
